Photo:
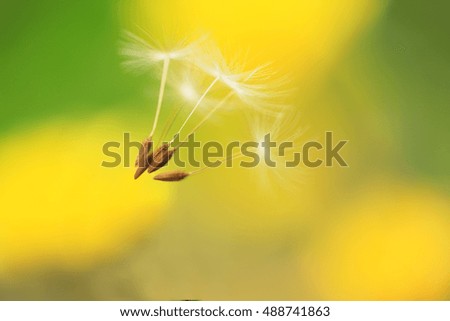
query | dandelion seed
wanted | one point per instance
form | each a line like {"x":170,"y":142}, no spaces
{"x":252,"y":87}
{"x":160,"y":158}
{"x":139,"y":172}
{"x":141,"y":54}
{"x":142,"y":157}
{"x":173,"y":176}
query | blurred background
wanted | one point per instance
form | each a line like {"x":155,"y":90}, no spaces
{"x":374,"y":72}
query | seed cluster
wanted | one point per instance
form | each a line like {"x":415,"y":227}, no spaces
{"x":249,"y":86}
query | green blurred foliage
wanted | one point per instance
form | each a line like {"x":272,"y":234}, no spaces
{"x":407,"y":68}
{"x":60,"y":58}
{"x":392,"y":92}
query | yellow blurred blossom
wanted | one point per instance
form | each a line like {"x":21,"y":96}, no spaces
{"x":392,"y":243}
{"x":305,"y":36}
{"x":59,"y":206}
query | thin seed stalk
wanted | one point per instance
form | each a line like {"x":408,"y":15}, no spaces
{"x":162,"y":86}
{"x":211,"y":112}
{"x":198,"y":104}
{"x":219,"y":105}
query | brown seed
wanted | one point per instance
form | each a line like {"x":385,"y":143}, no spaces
{"x":145,"y":157}
{"x":160,"y":158}
{"x":139,"y":172}
{"x":173,"y":176}
{"x":142,"y":157}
